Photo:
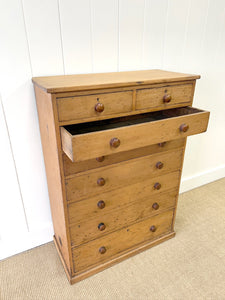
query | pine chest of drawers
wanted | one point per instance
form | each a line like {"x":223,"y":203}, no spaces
{"x":113,"y":146}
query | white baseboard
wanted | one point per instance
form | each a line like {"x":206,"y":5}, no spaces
{"x":199,"y":179}
{"x":18,"y":243}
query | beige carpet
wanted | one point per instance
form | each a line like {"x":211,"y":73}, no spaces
{"x":189,"y":266}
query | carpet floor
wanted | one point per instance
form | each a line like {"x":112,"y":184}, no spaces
{"x":189,"y":266}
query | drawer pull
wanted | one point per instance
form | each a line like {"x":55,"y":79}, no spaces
{"x":153,"y":228}
{"x":102,"y":250}
{"x":155,"y":206}
{"x":101,"y":181}
{"x":115,"y":142}
{"x":157,"y":186}
{"x":159,"y":165}
{"x":162,"y":144}
{"x":101,"y":204}
{"x":184,"y":128}
{"x":101,"y":226}
{"x":100,"y":158}
{"x":99,"y":107}
{"x":167,"y":98}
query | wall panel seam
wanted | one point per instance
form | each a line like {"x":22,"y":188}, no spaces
{"x":61,"y":38}
{"x":14,"y":163}
{"x":27,"y":41}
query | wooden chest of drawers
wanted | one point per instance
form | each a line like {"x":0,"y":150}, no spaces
{"x":113,"y":147}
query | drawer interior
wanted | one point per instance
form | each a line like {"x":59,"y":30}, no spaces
{"x":129,"y":120}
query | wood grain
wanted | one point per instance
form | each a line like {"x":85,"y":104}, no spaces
{"x":147,"y":98}
{"x":50,"y":150}
{"x":87,"y":208}
{"x":88,"y":255}
{"x":122,"y":174}
{"x":119,"y":216}
{"x":77,"y":167}
{"x":84,"y":106}
{"x":69,"y":83}
{"x":91,"y":145}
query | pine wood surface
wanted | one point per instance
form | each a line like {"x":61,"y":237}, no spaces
{"x":71,"y":168}
{"x":80,"y":107}
{"x":94,"y":144}
{"x":120,"y":240}
{"x":50,"y":150}
{"x":148,"y":98}
{"x":67,"y":83}
{"x":122,"y":174}
{"x":139,"y":207}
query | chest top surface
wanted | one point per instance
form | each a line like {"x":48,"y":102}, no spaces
{"x":68,"y":83}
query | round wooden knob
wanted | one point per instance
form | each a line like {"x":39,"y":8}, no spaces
{"x":102,"y":250}
{"x":100,"y":158}
{"x":153,"y":228}
{"x":101,"y":226}
{"x":162,"y":144}
{"x":101,"y":204}
{"x":184,"y":127}
{"x":157,"y":186}
{"x":101,"y":181}
{"x":167,"y":98}
{"x":99,"y":107}
{"x":159,"y":165}
{"x":155,"y":206}
{"x":115,"y":142}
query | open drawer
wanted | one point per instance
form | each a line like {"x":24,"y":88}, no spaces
{"x":95,"y":139}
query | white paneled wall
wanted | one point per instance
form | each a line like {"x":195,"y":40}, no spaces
{"x":57,"y":37}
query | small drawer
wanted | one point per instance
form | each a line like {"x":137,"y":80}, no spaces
{"x":119,"y":175}
{"x":116,"y":243}
{"x":95,"y":139}
{"x":98,"y":162}
{"x":166,"y":96}
{"x":140,"y":206}
{"x":99,"y":105}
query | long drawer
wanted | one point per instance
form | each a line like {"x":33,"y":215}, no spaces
{"x":122,"y":174}
{"x":96,"y":225}
{"x":71,"y":168}
{"x":94,"y":139}
{"x":114,"y":244}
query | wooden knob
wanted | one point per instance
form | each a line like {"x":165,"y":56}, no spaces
{"x":153,"y":228}
{"x":101,"y":181}
{"x":101,"y":226}
{"x":155,"y":206}
{"x":99,"y":107}
{"x":159,"y":165}
{"x":115,"y":142}
{"x":100,"y":158}
{"x":184,"y":127}
{"x":101,"y":204}
{"x":157,"y":186}
{"x":162,"y":144}
{"x":102,"y":250}
{"x":167,"y":98}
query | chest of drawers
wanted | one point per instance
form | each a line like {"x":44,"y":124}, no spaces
{"x":113,"y":147}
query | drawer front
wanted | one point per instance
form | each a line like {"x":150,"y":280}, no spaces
{"x":101,"y":223}
{"x":77,"y":167}
{"x":164,"y":97}
{"x":81,"y":107}
{"x":166,"y":125}
{"x":117,"y":242}
{"x":123,"y":174}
